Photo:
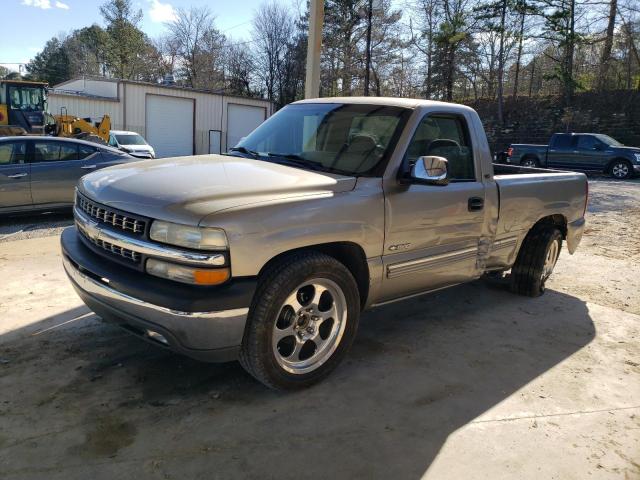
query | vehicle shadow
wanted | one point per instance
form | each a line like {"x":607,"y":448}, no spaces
{"x":92,"y":399}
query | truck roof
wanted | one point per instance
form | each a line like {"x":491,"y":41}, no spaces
{"x":390,"y":101}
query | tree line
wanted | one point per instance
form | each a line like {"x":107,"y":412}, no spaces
{"x":439,"y":49}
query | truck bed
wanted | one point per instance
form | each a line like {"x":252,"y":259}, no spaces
{"x":515,"y":169}
{"x":528,"y":194}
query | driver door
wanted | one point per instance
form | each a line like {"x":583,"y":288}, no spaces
{"x":589,"y":153}
{"x":433,"y":231}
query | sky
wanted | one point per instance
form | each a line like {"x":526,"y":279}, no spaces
{"x":28,"y":24}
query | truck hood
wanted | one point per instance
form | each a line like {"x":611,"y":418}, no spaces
{"x":186,"y":189}
{"x":625,"y":149}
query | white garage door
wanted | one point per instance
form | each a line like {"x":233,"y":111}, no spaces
{"x":170,"y":125}
{"x":241,"y":121}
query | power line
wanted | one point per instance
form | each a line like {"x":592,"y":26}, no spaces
{"x":235,"y":26}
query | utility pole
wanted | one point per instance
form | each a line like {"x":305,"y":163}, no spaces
{"x":367,"y":72}
{"x":503,"y":13}
{"x":314,"y":47}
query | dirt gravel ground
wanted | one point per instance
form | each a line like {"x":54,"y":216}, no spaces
{"x":470,"y":382}
{"x":43,"y":225}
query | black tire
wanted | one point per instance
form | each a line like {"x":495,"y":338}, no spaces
{"x":275,"y":285}
{"x":530,"y":162}
{"x":527,"y":274}
{"x":621,"y":169}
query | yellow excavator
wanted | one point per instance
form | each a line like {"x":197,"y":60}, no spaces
{"x":23,"y":111}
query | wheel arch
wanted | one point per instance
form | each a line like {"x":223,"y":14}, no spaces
{"x":557,"y":219}
{"x":614,"y":160}
{"x":533,"y":156}
{"x":350,"y":254}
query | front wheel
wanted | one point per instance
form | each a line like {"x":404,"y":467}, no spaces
{"x":621,"y":169}
{"x":302,"y":322}
{"x":536,"y":259}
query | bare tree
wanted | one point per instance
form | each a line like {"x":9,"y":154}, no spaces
{"x":240,"y":70}
{"x":169,"y":49}
{"x":198,"y":43}
{"x":428,"y":18}
{"x":608,"y":45}
{"x":272,"y":30}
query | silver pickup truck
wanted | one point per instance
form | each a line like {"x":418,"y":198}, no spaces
{"x":269,"y":254}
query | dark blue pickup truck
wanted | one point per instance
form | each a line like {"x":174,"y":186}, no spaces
{"x":579,"y":151}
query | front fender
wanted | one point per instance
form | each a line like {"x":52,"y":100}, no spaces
{"x":258,"y":233}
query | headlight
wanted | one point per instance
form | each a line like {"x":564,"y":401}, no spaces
{"x":637,"y":155}
{"x":190,"y":237}
{"x":184,"y":274}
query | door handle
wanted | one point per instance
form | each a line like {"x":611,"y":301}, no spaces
{"x":88,"y":167}
{"x":475,"y":204}
{"x":17,"y":175}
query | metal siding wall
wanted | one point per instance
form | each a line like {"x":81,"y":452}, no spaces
{"x":86,"y":107}
{"x":208,"y":113}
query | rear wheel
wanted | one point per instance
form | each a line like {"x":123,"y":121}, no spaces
{"x":302,"y":322}
{"x":536,"y":260}
{"x":621,"y":169}
{"x":530,"y":162}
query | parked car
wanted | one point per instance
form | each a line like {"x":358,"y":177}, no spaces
{"x":579,"y":151}
{"x":331,"y":206}
{"x":40,"y":173}
{"x":132,"y":143}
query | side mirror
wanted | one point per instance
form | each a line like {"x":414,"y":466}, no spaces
{"x":431,"y":170}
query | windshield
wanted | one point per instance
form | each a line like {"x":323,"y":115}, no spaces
{"x":129,"y":139}
{"x":27,"y":99}
{"x":608,"y":140}
{"x":345,"y":138}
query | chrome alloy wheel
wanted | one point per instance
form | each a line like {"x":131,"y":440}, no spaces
{"x":309,"y":326}
{"x":620,"y":170}
{"x":529,"y":162}
{"x":551,"y":259}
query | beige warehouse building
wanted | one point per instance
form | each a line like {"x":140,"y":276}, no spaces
{"x":174,"y":120}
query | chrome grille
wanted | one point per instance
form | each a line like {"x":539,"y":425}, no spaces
{"x":110,"y":217}
{"x":116,"y":250}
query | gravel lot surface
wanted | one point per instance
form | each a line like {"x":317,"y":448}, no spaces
{"x":34,"y":226}
{"x":467,"y":383}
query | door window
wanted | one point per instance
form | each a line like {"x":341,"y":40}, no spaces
{"x":12,"y":153}
{"x":54,"y":151}
{"x":85,"y":151}
{"x":587,"y":142}
{"x":112,"y":141}
{"x":444,"y":136}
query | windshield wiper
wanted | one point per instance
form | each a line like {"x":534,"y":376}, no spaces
{"x":246,"y":151}
{"x":297,"y":160}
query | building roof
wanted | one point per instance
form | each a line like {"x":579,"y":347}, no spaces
{"x":60,"y":86}
{"x":23,"y":82}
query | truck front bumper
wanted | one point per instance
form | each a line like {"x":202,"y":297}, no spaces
{"x":165,"y":313}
